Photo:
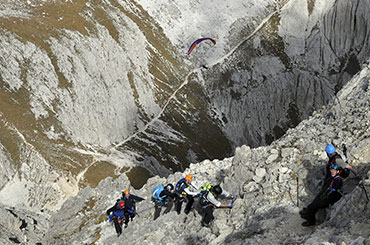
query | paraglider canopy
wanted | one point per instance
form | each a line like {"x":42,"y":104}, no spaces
{"x":196,"y":42}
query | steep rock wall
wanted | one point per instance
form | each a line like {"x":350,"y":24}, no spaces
{"x":295,"y":64}
{"x":266,"y":180}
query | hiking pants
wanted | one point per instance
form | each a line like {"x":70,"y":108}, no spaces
{"x":188,"y":205}
{"x":129,"y":215}
{"x":207,"y":214}
{"x":117,"y":224}
{"x":318,"y":203}
{"x":158,"y":207}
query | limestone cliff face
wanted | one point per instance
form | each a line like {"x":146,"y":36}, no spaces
{"x":81,"y":102}
{"x":295,"y":64}
{"x":266,"y":180}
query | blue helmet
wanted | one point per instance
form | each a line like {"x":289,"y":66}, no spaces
{"x":330,"y":149}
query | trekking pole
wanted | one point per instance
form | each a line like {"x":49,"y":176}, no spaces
{"x":345,"y":152}
{"x":295,"y":176}
{"x":297,"y":192}
{"x":364,"y":189}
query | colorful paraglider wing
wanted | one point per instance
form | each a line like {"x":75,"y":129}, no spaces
{"x":196,"y":42}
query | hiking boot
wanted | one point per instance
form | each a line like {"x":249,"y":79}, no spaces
{"x":305,"y":216}
{"x":205,"y":224}
{"x":308,"y":223}
{"x":125,"y":226}
{"x":186,"y":211}
{"x":303,"y":211}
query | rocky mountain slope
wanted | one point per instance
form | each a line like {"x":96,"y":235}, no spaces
{"x":270,"y":182}
{"x":95,"y":89}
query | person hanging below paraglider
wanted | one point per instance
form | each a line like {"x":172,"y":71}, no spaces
{"x":130,"y":205}
{"x":116,"y":215}
{"x":208,"y":202}
{"x":163,"y":196}
{"x":198,"y":41}
{"x":330,"y":195}
{"x":185,"y":194}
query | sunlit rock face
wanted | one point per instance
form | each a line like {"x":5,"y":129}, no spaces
{"x":271,"y":183}
{"x":91,"y":90}
{"x":94,"y":90}
{"x":295,"y":64}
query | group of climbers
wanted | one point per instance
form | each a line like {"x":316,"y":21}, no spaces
{"x":337,"y":169}
{"x":166,"y":196}
{"x":185,"y":191}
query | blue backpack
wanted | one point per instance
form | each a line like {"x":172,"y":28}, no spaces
{"x":157,"y":191}
{"x":179,"y":186}
{"x":119,"y":212}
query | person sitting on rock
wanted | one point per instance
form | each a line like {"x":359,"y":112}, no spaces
{"x":208,"y":202}
{"x":130,"y":205}
{"x":163,"y":196}
{"x":335,"y":158}
{"x":184,"y":193}
{"x":117,"y":215}
{"x":328,"y":196}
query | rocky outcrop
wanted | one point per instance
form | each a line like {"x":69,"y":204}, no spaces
{"x":22,"y":226}
{"x":297,"y":62}
{"x":164,"y":105}
{"x":295,"y":66}
{"x":271,"y":182}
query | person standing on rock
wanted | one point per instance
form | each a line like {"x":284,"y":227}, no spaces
{"x":330,"y":195}
{"x":130,"y":205}
{"x":163,"y":196}
{"x":208,"y":202}
{"x":117,"y":215}
{"x":184,"y":193}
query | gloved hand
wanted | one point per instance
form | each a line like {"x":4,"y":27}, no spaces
{"x":233,"y":196}
{"x":231,"y":205}
{"x":110,"y":218}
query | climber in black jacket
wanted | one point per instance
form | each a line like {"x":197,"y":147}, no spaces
{"x":130,"y":207}
{"x":328,"y":196}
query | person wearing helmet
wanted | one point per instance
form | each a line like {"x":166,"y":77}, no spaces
{"x":331,"y":194}
{"x":165,"y":198}
{"x":185,"y":194}
{"x":208,"y":202}
{"x":116,"y":215}
{"x":335,"y":158}
{"x":130,"y":205}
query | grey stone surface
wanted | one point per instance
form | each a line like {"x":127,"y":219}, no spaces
{"x":318,"y":55}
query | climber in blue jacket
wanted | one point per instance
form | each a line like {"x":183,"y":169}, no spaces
{"x":117,"y":215}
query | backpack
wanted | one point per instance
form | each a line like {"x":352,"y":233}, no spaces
{"x":204,"y":190}
{"x":179,"y":185}
{"x":207,"y":187}
{"x":119,"y":212}
{"x":203,"y":201}
{"x":344,"y":173}
{"x":157,"y":191}
{"x":118,"y":203}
